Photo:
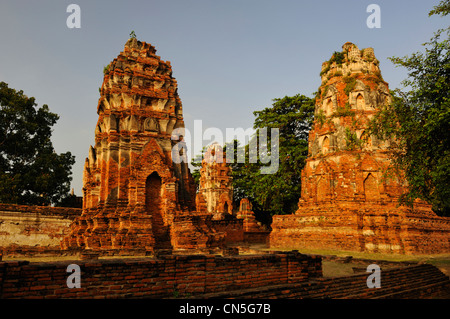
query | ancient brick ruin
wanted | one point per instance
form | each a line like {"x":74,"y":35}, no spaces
{"x":215,"y":193}
{"x":34,"y":230}
{"x":349,"y":198}
{"x":254,"y":231}
{"x":267,"y":276}
{"x":139,"y":195}
{"x":136,"y":179}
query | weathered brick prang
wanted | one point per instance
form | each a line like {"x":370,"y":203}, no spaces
{"x":350,"y":191}
{"x":136,"y":179}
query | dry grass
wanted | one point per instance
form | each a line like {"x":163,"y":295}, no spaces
{"x":368,"y":255}
{"x":335,"y":269}
{"x":330,"y":268}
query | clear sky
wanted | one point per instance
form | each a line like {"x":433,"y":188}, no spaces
{"x":230,"y":57}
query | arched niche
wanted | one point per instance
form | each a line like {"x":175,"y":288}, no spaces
{"x":371,"y":191}
{"x":359,"y":97}
{"x":323,"y":188}
{"x":367,"y":140}
{"x":225,"y":207}
{"x":329,"y":104}
{"x":225,"y":204}
{"x":151,"y":124}
{"x":325,"y":145}
{"x":329,"y":107}
{"x":360,"y":102}
{"x":153,"y":200}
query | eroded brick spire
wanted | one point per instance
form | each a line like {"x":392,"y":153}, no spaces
{"x":132,"y":187}
{"x":349,"y":196}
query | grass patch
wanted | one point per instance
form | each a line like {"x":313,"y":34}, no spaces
{"x":336,"y":269}
{"x":445,"y":258}
{"x":39,"y":259}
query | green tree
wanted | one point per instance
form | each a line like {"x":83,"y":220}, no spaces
{"x":443,"y":8}
{"x":418,"y":121}
{"x":277,"y":193}
{"x":196,"y":163}
{"x":31,"y":173}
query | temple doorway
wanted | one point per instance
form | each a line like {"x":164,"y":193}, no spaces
{"x":153,"y":207}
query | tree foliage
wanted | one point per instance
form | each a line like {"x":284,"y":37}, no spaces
{"x":31,"y":172}
{"x":443,"y":8}
{"x":276,"y":193}
{"x":272,"y":193}
{"x":418,"y":121}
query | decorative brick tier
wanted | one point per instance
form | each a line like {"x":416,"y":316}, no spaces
{"x":363,"y":227}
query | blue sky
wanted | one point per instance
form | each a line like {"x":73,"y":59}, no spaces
{"x":230,"y":58}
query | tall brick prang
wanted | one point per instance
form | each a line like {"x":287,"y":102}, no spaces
{"x":349,"y":197}
{"x":134,"y":181}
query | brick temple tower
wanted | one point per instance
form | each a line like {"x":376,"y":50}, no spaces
{"x":133,"y":188}
{"x":215,"y":194}
{"x":349,"y":198}
{"x":345,"y":162}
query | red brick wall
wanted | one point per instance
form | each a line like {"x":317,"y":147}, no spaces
{"x":64,"y":212}
{"x":261,"y":237}
{"x":415,"y":281}
{"x":33,"y":230}
{"x":362,"y":227}
{"x":170,"y":276}
{"x":232,"y":228}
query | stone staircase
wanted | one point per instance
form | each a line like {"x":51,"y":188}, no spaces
{"x":416,"y":281}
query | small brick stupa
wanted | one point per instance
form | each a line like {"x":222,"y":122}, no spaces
{"x":133,"y":185}
{"x":349,"y":199}
{"x":215,"y":194}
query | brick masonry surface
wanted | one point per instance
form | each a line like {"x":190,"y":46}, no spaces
{"x":350,"y":191}
{"x":33,"y":230}
{"x":403,"y":282}
{"x":166,"y":277}
{"x":275,"y":275}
